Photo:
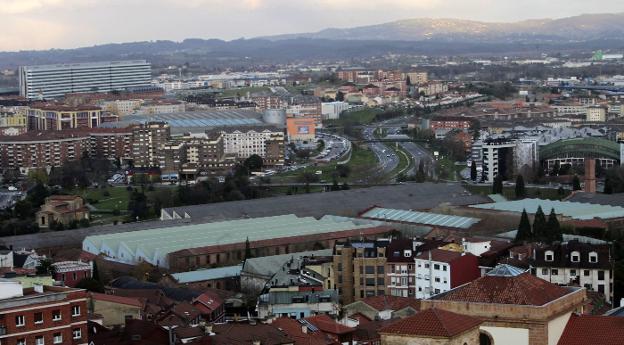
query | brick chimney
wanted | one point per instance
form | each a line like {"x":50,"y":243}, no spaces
{"x":590,"y":175}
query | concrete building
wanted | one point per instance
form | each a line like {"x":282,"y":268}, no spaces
{"x":148,"y":143}
{"x":360,"y":269}
{"x":266,"y":142}
{"x":383,"y":307}
{"x":115,"y":310}
{"x":596,"y":113}
{"x":62,"y":209}
{"x":57,"y":117}
{"x":575,"y":263}
{"x":54,"y":81}
{"x":332,"y":110}
{"x":516,"y":308}
{"x":70,"y":273}
{"x":301,"y":130}
{"x":438,"y":271}
{"x":497,"y":156}
{"x":416,"y":78}
{"x":42,"y":314}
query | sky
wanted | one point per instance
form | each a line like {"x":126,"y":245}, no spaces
{"x":45,"y":24}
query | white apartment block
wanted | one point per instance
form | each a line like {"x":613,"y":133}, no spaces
{"x":432,"y":277}
{"x":244,"y":143}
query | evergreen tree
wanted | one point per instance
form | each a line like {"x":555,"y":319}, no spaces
{"x":420,"y":173}
{"x":473,"y":171}
{"x":335,"y":186}
{"x":247,"y":249}
{"x":520,"y":189}
{"x":540,"y":227}
{"x":554,"y":228}
{"x":608,"y":186}
{"x":96,"y":273}
{"x":497,"y":186}
{"x":555,"y":170}
{"x":524,"y":229}
{"x":345,"y":186}
{"x":576,"y":183}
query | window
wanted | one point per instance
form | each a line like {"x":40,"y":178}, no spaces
{"x":39,"y":340}
{"x":77,"y":333}
{"x":58,"y":338}
{"x":76,"y":310}
{"x":21,"y":341}
{"x":437,"y":279}
{"x":370,"y":281}
{"x":573,"y":273}
{"x":370,"y":269}
{"x":437,"y":291}
{"x":549,"y":255}
{"x":593,"y":257}
{"x":20,"y":321}
{"x":407,"y":253}
{"x":554,"y":272}
{"x":380,"y":270}
{"x":586,"y":273}
{"x":436,"y":267}
{"x":545,"y":271}
{"x":38,"y":318}
{"x":381,"y":281}
{"x":56,"y":315}
{"x":575,"y":256}
{"x":601,"y":275}
{"x":443,"y":267}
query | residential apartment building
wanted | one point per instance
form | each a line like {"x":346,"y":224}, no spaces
{"x":57,"y":117}
{"x":360,"y":269}
{"x":438,"y":271}
{"x":243,"y":142}
{"x":417,"y":78}
{"x":401,"y":275}
{"x":42,"y":315}
{"x":148,"y":144}
{"x":450,"y":123}
{"x":596,"y":113}
{"x":13,"y":120}
{"x":54,"y":81}
{"x":497,"y":158}
{"x":576,"y":263}
{"x":112,"y":143}
{"x":205,"y":154}
{"x":332,"y":110}
{"x":269,"y":102}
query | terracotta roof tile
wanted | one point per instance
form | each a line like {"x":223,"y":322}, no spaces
{"x":329,"y":325}
{"x":603,"y":330}
{"x":136,"y":302}
{"x":293,"y":330}
{"x":381,"y":303}
{"x":441,"y":255}
{"x":433,"y":323}
{"x":523,"y":289}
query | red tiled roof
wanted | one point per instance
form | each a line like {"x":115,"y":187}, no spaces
{"x":329,"y":325}
{"x":208,"y":301}
{"x":523,"y":289}
{"x":603,"y":330}
{"x":136,"y":302}
{"x":441,"y":255}
{"x":433,"y":323}
{"x":293,"y":328}
{"x":381,"y":303}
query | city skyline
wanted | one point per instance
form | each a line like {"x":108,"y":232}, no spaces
{"x":45,"y":24}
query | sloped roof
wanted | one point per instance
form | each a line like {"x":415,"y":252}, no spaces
{"x":574,"y":210}
{"x":441,"y":255}
{"x":586,"y":329}
{"x":329,"y":325}
{"x":433,"y":323}
{"x":381,"y":303}
{"x":523,"y":289}
{"x":505,"y":270}
{"x":426,"y":218}
{"x":293,"y":329}
{"x":207,"y":274}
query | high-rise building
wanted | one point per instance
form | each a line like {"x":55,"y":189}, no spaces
{"x":53,"y":81}
{"x":148,"y":144}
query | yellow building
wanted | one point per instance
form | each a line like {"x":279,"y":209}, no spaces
{"x":56,"y":117}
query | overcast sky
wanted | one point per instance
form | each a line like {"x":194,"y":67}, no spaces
{"x":42,"y":24}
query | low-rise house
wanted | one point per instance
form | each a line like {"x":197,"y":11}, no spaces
{"x":211,"y":306}
{"x":70,"y":273}
{"x":115,"y":310}
{"x":339,"y":333}
{"x":433,"y":327}
{"x":63,"y":209}
{"x":576,"y":263}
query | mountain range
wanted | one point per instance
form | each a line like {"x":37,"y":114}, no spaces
{"x":578,"y":28}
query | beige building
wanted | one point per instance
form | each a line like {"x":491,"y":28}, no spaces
{"x":360,"y":269}
{"x":62,"y":209}
{"x":148,"y":143}
{"x":116,"y":309}
{"x":516,"y":308}
{"x":596,"y":113}
{"x":417,"y":78}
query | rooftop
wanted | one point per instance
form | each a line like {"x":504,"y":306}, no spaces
{"x":426,"y":218}
{"x":207,"y":274}
{"x":574,"y":210}
{"x":586,"y":329}
{"x":381,"y":303}
{"x":432,"y":323}
{"x":441,"y":255}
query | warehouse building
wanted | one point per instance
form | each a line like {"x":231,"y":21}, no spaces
{"x":188,"y":247}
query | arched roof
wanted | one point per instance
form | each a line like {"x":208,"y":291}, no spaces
{"x":581,"y":147}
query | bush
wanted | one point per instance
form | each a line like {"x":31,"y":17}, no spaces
{"x":105,"y":192}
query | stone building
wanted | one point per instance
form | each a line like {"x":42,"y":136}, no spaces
{"x":62,"y":209}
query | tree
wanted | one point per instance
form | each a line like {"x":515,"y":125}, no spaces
{"x":608,"y":186}
{"x":248,"y":254}
{"x":473,"y":171}
{"x":497,"y":186}
{"x":91,"y":284}
{"x":520,"y":188}
{"x":335,"y":186}
{"x":345,"y":186}
{"x":524,"y":228}
{"x":554,"y":228}
{"x":555,"y":169}
{"x":420,"y":173}
{"x":576,"y":183}
{"x":45,"y":267}
{"x":96,"y":272}
{"x":540,"y":227}
{"x":137,"y":205}
{"x":254,"y":163}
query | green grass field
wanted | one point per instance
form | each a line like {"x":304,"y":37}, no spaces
{"x":359,"y":117}
{"x":117,"y":198}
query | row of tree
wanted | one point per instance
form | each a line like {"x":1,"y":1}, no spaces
{"x":543,"y":230}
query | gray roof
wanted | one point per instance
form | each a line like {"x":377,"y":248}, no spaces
{"x":574,"y":210}
{"x":427,"y":218}
{"x":566,"y":237}
{"x":416,"y":196}
{"x":505,"y":270}
{"x":207,"y":274}
{"x":267,"y":266}
{"x":598,"y":198}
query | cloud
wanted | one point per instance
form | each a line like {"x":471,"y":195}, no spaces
{"x":17,"y":34}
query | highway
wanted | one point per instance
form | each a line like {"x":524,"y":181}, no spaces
{"x":388,"y":160}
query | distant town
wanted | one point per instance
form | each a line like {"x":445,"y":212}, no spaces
{"x":394,"y":200}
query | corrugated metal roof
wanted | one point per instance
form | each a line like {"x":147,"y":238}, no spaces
{"x":574,"y":210}
{"x":209,"y":274}
{"x":426,"y":218}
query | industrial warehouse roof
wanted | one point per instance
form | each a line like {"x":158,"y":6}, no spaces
{"x":184,"y":121}
{"x":409,"y":196}
{"x":574,"y":210}
{"x":426,"y":218}
{"x":153,"y":245}
{"x":208,"y":274}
